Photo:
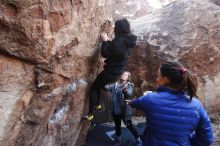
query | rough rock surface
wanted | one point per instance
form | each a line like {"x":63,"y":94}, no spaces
{"x":16,"y":80}
{"x":48,"y":56}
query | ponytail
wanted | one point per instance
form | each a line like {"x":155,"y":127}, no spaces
{"x":191,"y":84}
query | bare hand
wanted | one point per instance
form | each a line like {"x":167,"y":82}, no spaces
{"x":103,"y":37}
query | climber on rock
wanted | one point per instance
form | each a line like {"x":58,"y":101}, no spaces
{"x":116,"y":54}
{"x":121,"y":91}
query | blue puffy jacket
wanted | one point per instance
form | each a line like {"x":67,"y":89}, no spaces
{"x":174,"y":120}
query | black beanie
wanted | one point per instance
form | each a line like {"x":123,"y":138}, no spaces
{"x":122,"y":26}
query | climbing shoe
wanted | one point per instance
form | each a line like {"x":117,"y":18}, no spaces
{"x":98,"y":107}
{"x":88,"y":117}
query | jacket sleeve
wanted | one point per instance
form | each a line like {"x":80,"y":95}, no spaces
{"x":109,"y":87}
{"x":140,"y":103}
{"x":106,"y":49}
{"x":203,"y":135}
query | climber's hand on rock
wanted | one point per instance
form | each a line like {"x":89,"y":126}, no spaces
{"x":103,"y":37}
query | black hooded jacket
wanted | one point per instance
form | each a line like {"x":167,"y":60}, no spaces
{"x":117,"y":52}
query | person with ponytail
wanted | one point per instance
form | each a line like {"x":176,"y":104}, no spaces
{"x":175,"y":116}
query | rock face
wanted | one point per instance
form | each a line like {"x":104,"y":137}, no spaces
{"x":47,"y":56}
{"x":17,"y":78}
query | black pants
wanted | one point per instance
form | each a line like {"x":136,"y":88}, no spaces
{"x":117,"y":120}
{"x":101,"y":80}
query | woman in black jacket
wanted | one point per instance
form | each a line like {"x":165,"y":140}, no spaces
{"x":116,"y":54}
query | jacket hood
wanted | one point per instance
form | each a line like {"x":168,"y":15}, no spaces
{"x":129,"y":40}
{"x":122,"y":26}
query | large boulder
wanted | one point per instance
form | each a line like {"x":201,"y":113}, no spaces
{"x":47,"y":56}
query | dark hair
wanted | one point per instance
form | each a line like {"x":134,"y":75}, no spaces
{"x":122,"y":26}
{"x":180,"y":78}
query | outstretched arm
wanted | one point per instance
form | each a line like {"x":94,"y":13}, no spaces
{"x":105,"y":51}
{"x":106,"y":46}
{"x":140,"y":103}
{"x":109,"y":87}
